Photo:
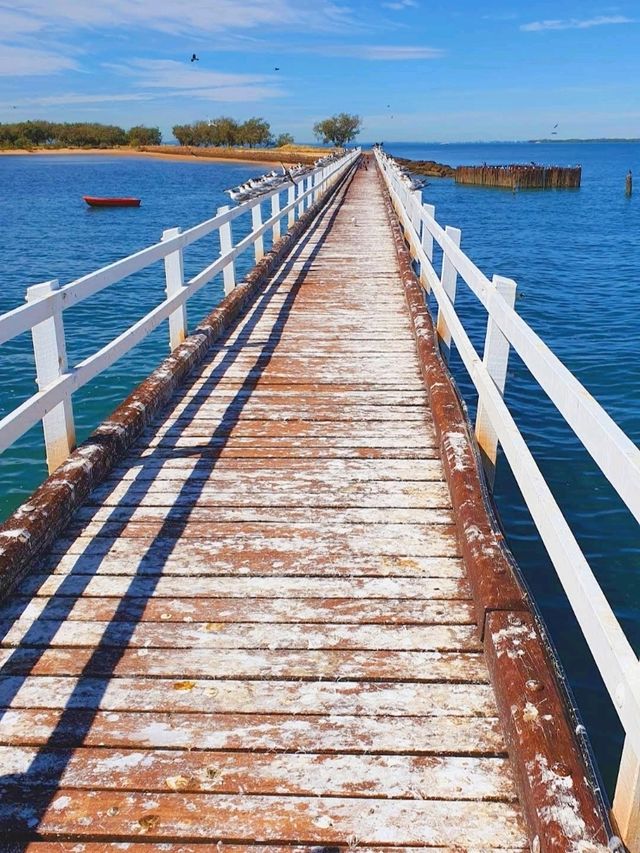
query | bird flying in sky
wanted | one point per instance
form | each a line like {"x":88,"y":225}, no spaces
{"x":195,"y":58}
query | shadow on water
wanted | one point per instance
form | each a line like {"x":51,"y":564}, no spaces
{"x":26,"y":796}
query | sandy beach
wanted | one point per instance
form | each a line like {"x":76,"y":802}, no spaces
{"x":269,"y":156}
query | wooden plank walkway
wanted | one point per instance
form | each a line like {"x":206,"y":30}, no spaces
{"x":258,"y":631}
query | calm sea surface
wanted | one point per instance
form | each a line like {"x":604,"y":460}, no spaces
{"x":575,"y":255}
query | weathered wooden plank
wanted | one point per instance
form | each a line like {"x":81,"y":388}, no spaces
{"x":264,"y":514}
{"x":180,"y":847}
{"x":162,"y":771}
{"x":327,"y":380}
{"x":284,"y":664}
{"x":232,"y":492}
{"x":444,"y":589}
{"x":265,"y":819}
{"x":338,"y":402}
{"x":321,"y":611}
{"x":205,"y":387}
{"x":290,"y":430}
{"x":310,"y":540}
{"x":301,"y":450}
{"x":424,"y":470}
{"x":419,"y":441}
{"x":441,"y":735}
{"x":245,"y":411}
{"x":190,"y":557}
{"x":223,"y":635}
{"x":379,"y":470}
{"x":334,"y":699}
{"x":375,"y":370}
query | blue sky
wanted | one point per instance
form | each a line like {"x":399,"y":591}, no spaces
{"x":413,"y":69}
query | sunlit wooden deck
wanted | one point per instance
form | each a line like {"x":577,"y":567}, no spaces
{"x":259,"y":631}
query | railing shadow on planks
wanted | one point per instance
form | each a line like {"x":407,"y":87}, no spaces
{"x":43,"y":313}
{"x":614,"y":453}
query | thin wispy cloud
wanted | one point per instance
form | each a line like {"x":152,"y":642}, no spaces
{"x":235,"y":94}
{"x":169,"y":74}
{"x":575,"y":23}
{"x":399,"y":5}
{"x":377,"y":52}
{"x":163,"y":78}
{"x":391,"y":53}
{"x":28,"y":62}
{"x":171,"y":17}
{"x":78,"y":98}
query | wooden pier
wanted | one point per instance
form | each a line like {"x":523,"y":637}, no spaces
{"x":283,"y":618}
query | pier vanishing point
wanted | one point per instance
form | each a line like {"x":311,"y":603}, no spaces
{"x":267,"y":604}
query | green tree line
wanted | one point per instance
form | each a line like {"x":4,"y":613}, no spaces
{"x":29,"y":134}
{"x":221,"y":131}
{"x":226,"y":131}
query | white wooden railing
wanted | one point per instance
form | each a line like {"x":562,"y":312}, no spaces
{"x":616,"y":455}
{"x":43,"y":312}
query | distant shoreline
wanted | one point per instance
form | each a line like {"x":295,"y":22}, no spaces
{"x":268,"y":156}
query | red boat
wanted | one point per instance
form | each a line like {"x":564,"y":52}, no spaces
{"x":94,"y":201}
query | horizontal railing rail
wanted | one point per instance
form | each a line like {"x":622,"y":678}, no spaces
{"x":615,"y":454}
{"x":42,"y":314}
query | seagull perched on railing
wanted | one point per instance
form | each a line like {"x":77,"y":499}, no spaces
{"x":255,"y":187}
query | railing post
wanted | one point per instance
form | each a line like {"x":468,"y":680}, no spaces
{"x":414,"y":213}
{"x":427,"y":238}
{"x":300,"y":188}
{"x":426,"y":241}
{"x":291,"y":197}
{"x":256,"y":222}
{"x":226,"y":245}
{"x":495,"y":359}
{"x":316,"y":181}
{"x":449,"y":278}
{"x":50,"y":353}
{"x":174,"y":277}
{"x":626,"y":802}
{"x":275,"y":210}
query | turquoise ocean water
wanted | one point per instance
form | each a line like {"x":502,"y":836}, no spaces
{"x":575,"y":255}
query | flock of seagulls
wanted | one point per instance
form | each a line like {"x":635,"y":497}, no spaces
{"x":410,"y":181}
{"x":265,"y":183}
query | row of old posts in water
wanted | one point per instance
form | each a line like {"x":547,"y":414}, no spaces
{"x":519,"y":176}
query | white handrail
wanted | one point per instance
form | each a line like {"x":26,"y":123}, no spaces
{"x":42,"y":314}
{"x":615,"y":454}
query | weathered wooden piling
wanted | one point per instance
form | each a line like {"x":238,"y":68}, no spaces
{"x":520,"y":176}
{"x":629,"y":183}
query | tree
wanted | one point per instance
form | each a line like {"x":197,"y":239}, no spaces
{"x":203,"y":133}
{"x":223,"y":130}
{"x":338,"y":129}
{"x":184,"y":134}
{"x":140,"y":135}
{"x":254,"y":131}
{"x":284,"y":139}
